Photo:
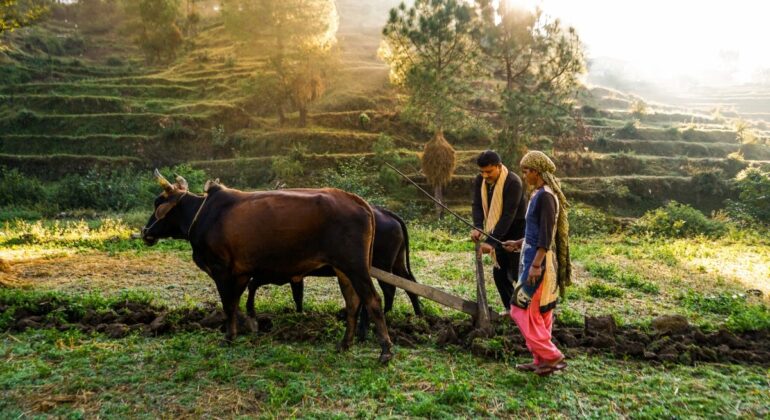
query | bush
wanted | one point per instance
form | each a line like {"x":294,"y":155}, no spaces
{"x":677,"y":221}
{"x":629,"y":131}
{"x":118,"y":190}
{"x":742,"y":315}
{"x":18,"y":189}
{"x":354,"y":176}
{"x":753,"y":204}
{"x":601,"y":290}
{"x":588,"y":221}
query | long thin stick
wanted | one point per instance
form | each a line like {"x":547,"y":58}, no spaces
{"x":442,"y":204}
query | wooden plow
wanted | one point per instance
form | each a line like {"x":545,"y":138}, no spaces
{"x":479,"y":310}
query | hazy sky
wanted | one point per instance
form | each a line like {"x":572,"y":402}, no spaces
{"x":713,"y":42}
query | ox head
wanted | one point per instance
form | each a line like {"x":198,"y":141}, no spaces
{"x":165,"y":220}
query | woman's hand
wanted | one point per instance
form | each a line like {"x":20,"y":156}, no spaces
{"x":534,"y":274}
{"x":513,"y":246}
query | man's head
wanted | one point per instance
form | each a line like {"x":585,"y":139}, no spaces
{"x":490,"y":166}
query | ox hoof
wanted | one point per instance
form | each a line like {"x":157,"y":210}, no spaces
{"x":251,"y":325}
{"x":385,"y":358}
{"x":343,"y":346}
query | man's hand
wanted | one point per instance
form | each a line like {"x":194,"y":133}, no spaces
{"x":475,"y":235}
{"x":486,"y":248}
{"x":513,"y":246}
{"x":534,"y":274}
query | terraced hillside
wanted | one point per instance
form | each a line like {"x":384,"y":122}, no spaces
{"x":69,"y":110}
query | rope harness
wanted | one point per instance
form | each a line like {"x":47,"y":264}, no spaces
{"x":195,"y":218}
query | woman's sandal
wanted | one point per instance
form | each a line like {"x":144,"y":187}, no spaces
{"x":546,"y":370}
{"x":527,"y":367}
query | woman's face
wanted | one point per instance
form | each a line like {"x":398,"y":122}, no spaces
{"x":531,"y":176}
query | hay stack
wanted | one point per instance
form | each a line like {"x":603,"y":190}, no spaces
{"x":5,"y":266}
{"x":438,"y":160}
{"x":438,"y":165}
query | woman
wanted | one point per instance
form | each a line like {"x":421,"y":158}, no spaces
{"x":545,"y":266}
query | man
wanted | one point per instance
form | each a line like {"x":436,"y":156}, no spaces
{"x":499,"y":209}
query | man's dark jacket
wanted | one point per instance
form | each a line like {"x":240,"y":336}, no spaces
{"x":514,"y":207}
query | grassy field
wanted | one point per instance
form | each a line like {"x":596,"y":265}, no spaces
{"x":292,"y":369}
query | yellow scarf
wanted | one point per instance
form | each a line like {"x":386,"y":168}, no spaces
{"x":550,"y":284}
{"x":493,"y":210}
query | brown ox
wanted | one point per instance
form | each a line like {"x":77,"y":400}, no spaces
{"x":286,"y":234}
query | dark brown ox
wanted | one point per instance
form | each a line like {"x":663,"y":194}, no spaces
{"x":391,"y":254}
{"x":282,"y":234}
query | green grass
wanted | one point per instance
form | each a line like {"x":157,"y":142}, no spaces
{"x":73,"y":375}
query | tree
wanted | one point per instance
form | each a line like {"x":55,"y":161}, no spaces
{"x":431,"y":51}
{"x":18,"y":13}
{"x":540,"y":63}
{"x":299,"y":36}
{"x":159,"y":36}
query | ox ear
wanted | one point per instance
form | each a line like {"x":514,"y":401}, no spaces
{"x":167,"y":187}
{"x":180,"y":182}
{"x":163,"y":209}
{"x":210,"y":184}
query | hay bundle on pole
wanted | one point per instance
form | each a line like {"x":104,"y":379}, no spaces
{"x":438,"y":165}
{"x":5,"y":267}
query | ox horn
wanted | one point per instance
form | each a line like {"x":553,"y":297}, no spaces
{"x":181,"y":182}
{"x":163,"y":181}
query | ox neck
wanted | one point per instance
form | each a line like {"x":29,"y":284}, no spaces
{"x":190,"y":206}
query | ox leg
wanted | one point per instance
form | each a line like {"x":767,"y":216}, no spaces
{"x":389,"y":293}
{"x":297,"y":292}
{"x":230,"y":291}
{"x":352,"y":303}
{"x":251,"y":319}
{"x":363,"y":285}
{"x":401,"y":271}
{"x":253,"y":286}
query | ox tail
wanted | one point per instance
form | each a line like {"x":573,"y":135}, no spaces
{"x":406,"y":240}
{"x":372,"y":226}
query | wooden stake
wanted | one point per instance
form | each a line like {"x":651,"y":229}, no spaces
{"x":482,"y":321}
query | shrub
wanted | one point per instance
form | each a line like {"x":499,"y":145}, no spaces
{"x":601,"y":290}
{"x":354,"y":176}
{"x":628,"y":131}
{"x":19,"y":189}
{"x":677,"y":221}
{"x":742,"y":315}
{"x":753,"y":204}
{"x":588,"y":221}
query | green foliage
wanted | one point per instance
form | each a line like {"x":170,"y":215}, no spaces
{"x":629,"y":280}
{"x":629,"y":131}
{"x":385,"y":152}
{"x":753,"y":203}
{"x":602,"y":290}
{"x":742,"y":315}
{"x":299,"y":36}
{"x":588,"y":221}
{"x":540,"y":62}
{"x":289,"y":167}
{"x":677,"y":221}
{"x":19,"y":13}
{"x":569,"y":317}
{"x":159,"y":35}
{"x":354,"y":176}
{"x":18,"y":189}
{"x":116,"y":189}
{"x":432,"y":56}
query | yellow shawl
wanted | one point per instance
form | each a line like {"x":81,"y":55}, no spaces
{"x":493,"y":210}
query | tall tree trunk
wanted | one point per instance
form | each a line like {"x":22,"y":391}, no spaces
{"x":302,"y":116}
{"x":438,"y":194}
{"x":281,"y":116}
